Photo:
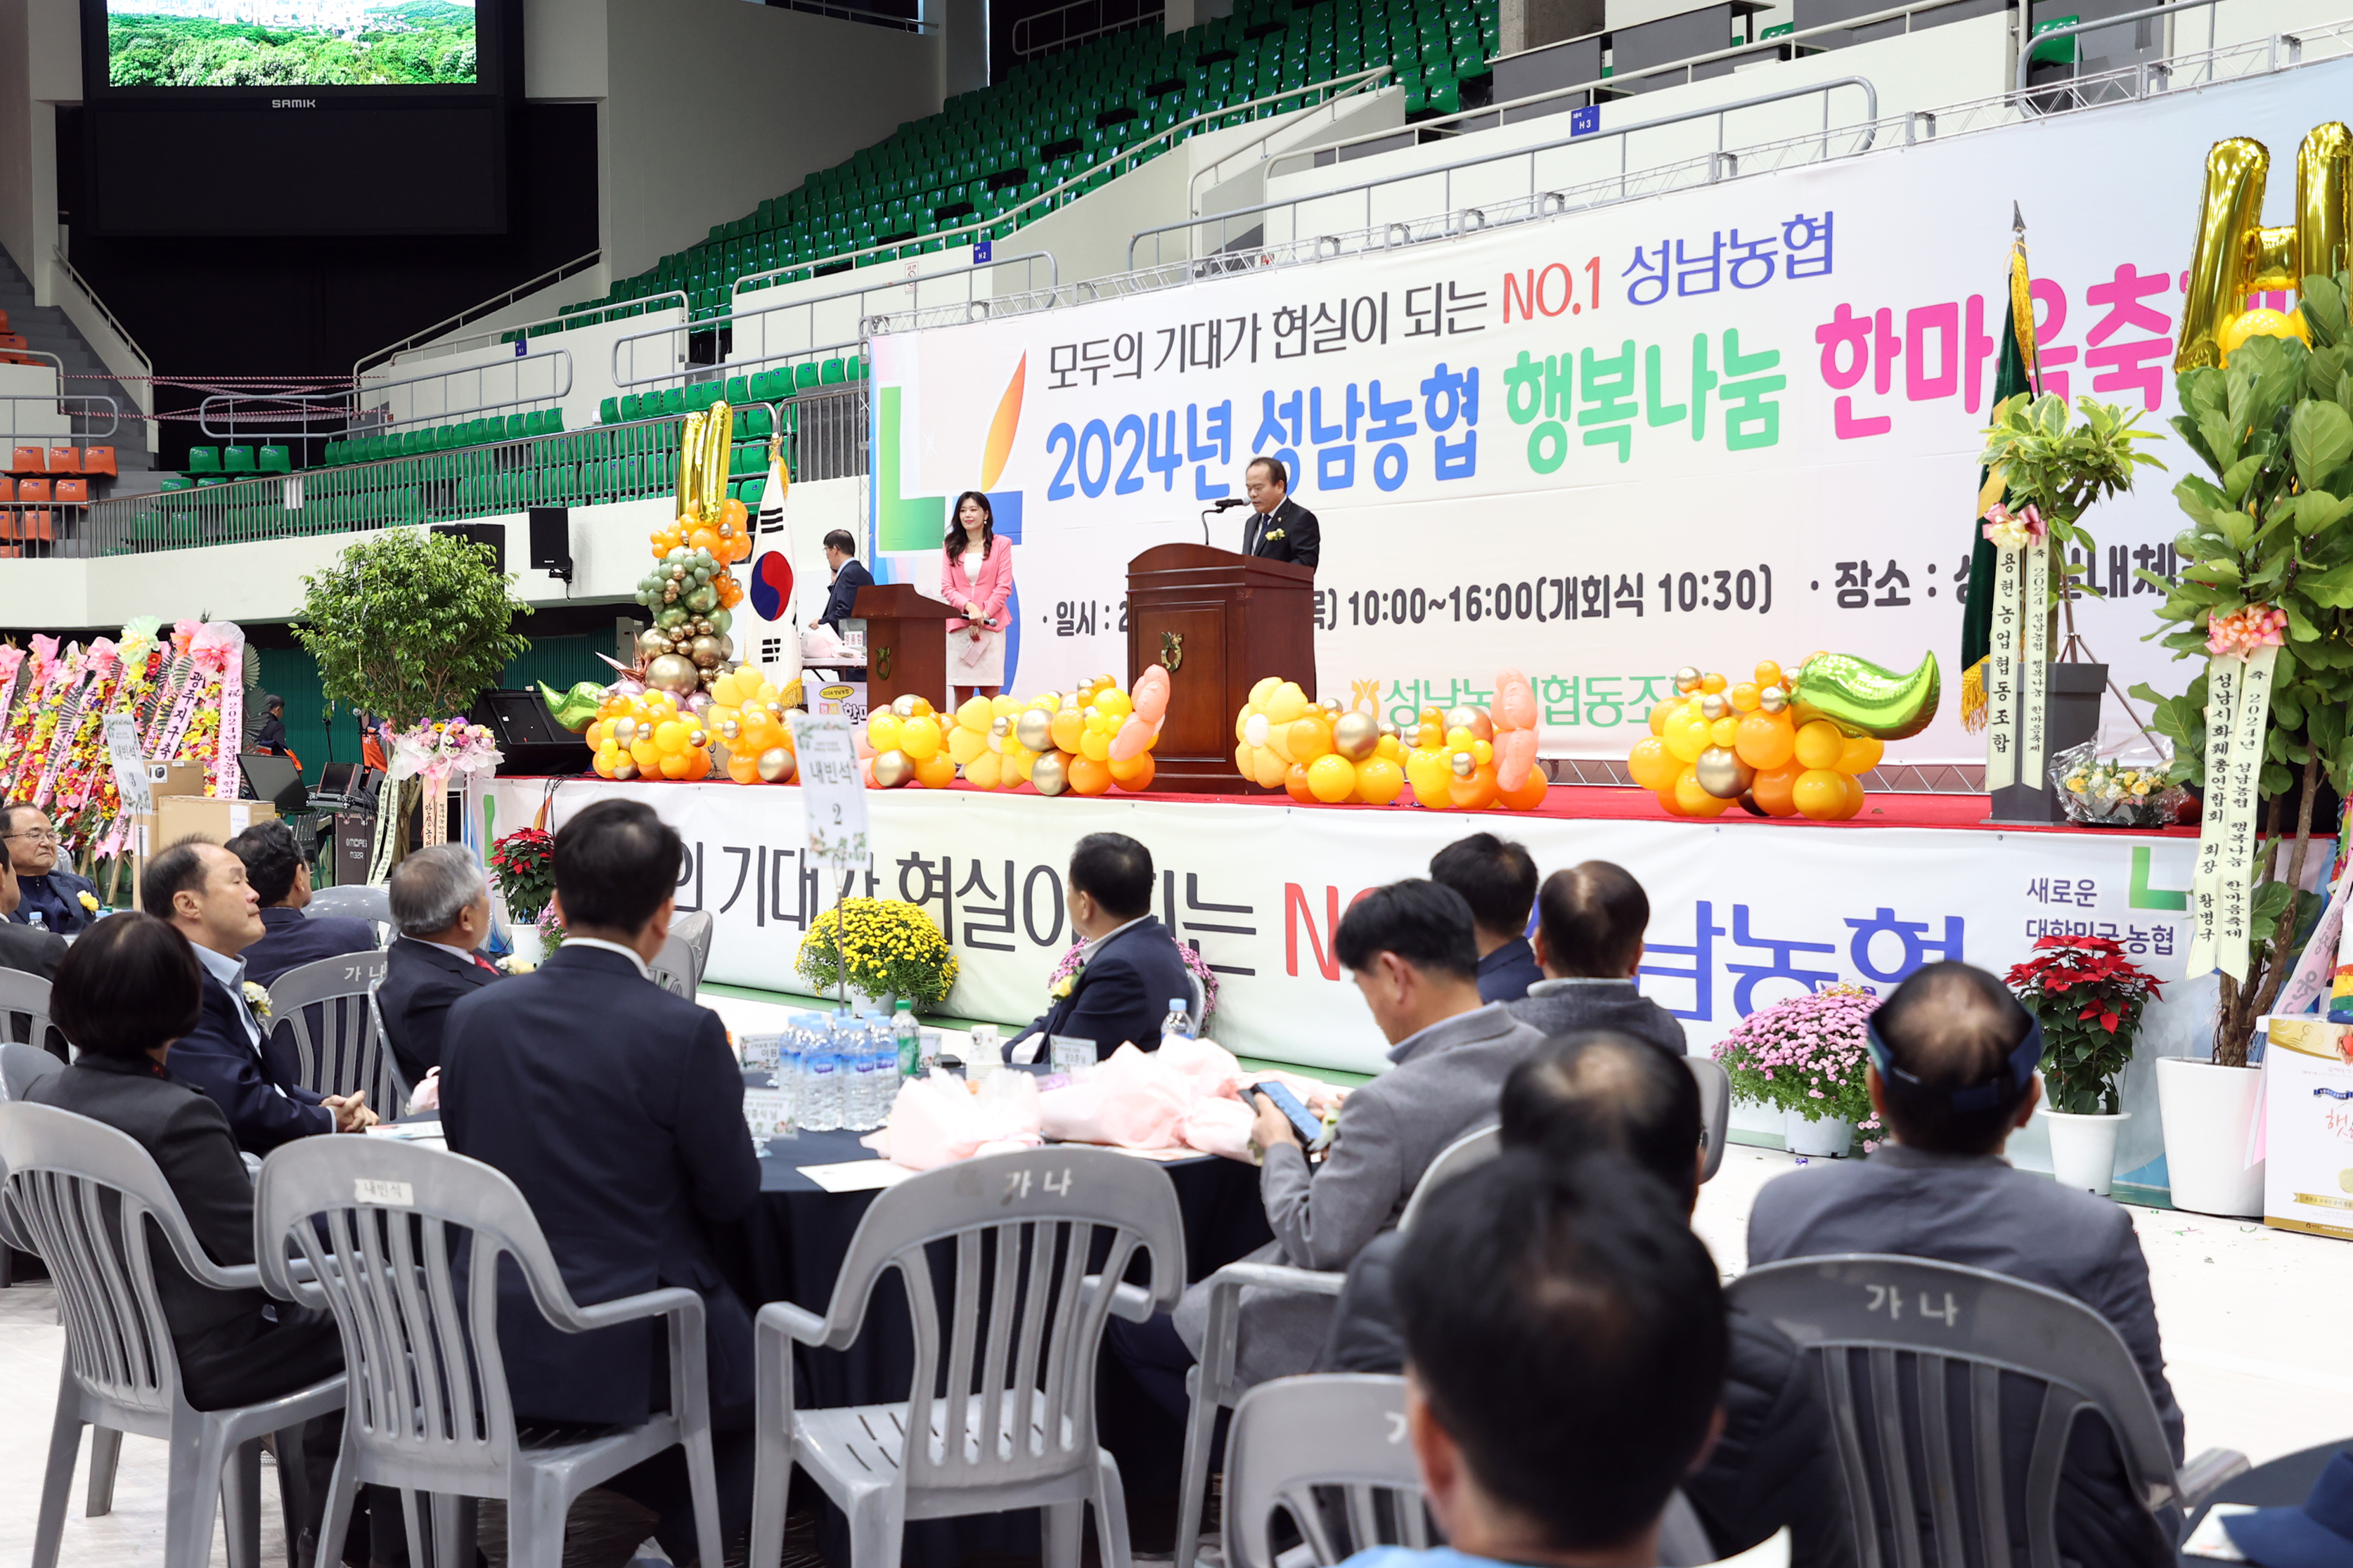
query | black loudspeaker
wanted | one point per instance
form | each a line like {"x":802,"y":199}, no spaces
{"x":530,"y":739}
{"x":493,"y":534}
{"x":551,"y":541}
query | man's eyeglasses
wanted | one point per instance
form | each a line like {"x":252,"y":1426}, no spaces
{"x":37,"y":835}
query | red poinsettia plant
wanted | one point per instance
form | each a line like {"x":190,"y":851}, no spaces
{"x":2089,"y":996}
{"x":523,"y":863}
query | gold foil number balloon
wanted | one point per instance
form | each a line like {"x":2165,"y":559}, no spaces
{"x":2236,"y":255}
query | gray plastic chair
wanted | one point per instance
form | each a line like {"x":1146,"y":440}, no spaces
{"x":24,"y":1009}
{"x":1013,"y":1424}
{"x":1714,"y":1110}
{"x":22,"y":1066}
{"x":1213,"y":1383}
{"x":359,"y":903}
{"x":1294,"y":1436}
{"x":325,"y":1010}
{"x":76,"y":1188}
{"x":677,"y":967}
{"x":377,"y":1222}
{"x":1893,"y":1335}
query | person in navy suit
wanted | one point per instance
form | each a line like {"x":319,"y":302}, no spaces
{"x":201,"y":888}
{"x":281,"y":880}
{"x":1130,"y":969}
{"x":441,"y":907}
{"x":1497,"y":878}
{"x":618,"y":1109}
{"x":45,"y":888}
{"x":849,"y":577}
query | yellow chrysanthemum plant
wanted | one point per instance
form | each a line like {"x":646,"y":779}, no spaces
{"x":889,"y":947}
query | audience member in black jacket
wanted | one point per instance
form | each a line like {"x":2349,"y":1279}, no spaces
{"x":441,"y":907}
{"x":45,"y":887}
{"x":1497,"y":878}
{"x":1773,"y":1465}
{"x":618,"y":1109}
{"x":1130,"y":969}
{"x":280,"y":879}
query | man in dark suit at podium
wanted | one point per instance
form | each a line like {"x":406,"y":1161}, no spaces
{"x":1278,"y":528}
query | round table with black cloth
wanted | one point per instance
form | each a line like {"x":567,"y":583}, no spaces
{"x":790,"y":1247}
{"x":2285,"y":1482}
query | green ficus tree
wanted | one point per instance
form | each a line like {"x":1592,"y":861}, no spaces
{"x":2061,"y":470}
{"x":2273,"y":527}
{"x":410,"y":626}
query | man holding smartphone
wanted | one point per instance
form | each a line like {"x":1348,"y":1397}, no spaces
{"x":1411,"y":951}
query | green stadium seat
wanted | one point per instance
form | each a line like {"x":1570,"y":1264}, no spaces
{"x":518,"y":426}
{"x":609,"y":411}
{"x":739,"y":390}
{"x":754,"y":422}
{"x":753,"y":490}
{"x":830,"y":372}
{"x":178,"y":482}
{"x":673,"y":401}
{"x":276,"y":460}
{"x":237,"y":460}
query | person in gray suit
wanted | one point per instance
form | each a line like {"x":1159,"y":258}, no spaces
{"x":1408,"y":947}
{"x":1952,"y":1075}
{"x":1589,"y":925}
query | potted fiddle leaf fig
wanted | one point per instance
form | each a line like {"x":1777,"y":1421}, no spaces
{"x":2266,"y":598}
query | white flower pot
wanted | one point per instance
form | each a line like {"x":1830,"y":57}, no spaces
{"x":524,"y":940}
{"x":864,"y":1002}
{"x":2207,"y":1111}
{"x":2083,"y":1148}
{"x":1828,"y":1137}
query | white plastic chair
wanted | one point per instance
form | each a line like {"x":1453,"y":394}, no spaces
{"x":1715,"y":1110}
{"x":1213,"y":1383}
{"x":1889,"y":1333}
{"x":1002,"y":1400}
{"x":378,"y":1222}
{"x":25,"y":996}
{"x":359,"y":903}
{"x":677,"y":967}
{"x":328,"y":1011}
{"x":76,"y":1189}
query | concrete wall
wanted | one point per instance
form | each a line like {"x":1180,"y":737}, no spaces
{"x":40,"y":67}
{"x":712,"y":106}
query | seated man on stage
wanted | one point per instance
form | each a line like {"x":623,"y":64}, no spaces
{"x":1589,"y":925}
{"x":1498,"y":879}
{"x":1129,"y":971}
{"x":849,"y":577}
{"x":441,"y":907}
{"x":281,"y":878}
{"x":1278,"y":528}
{"x":200,"y":888}
{"x":618,"y":1109}
{"x":1953,"y":1075}
{"x":66,"y":903}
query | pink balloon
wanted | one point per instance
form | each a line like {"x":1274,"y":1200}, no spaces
{"x":1151,"y":694}
{"x":1515,"y":704}
{"x":1134,"y":736}
{"x":1515,"y":754}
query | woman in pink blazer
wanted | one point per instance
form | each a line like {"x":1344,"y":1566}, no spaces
{"x":975,"y":579}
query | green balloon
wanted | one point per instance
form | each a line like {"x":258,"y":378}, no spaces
{"x":701,"y":601}
{"x":1861,"y":699}
{"x":721,"y":619}
{"x":575,"y":710}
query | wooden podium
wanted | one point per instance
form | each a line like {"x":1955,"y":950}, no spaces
{"x":1220,"y":623}
{"x":906,"y":645}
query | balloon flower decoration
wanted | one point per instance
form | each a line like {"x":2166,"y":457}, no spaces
{"x":1781,"y":743}
{"x":691,"y":591}
{"x":1316,"y":752}
{"x":1087,"y":741}
{"x":643,"y":733}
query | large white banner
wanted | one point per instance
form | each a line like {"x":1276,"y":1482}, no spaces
{"x":1742,"y":915}
{"x":1712,"y":427}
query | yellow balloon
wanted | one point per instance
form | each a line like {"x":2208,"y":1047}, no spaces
{"x":1379,"y":780}
{"x":2261,"y":323}
{"x":1820,"y":793}
{"x":985,"y":771}
{"x":1764,"y":741}
{"x":1861,"y":754}
{"x":1745,"y":697}
{"x":1270,"y":767}
{"x":1661,"y":714}
{"x":882,"y":730}
{"x":965,"y":746}
{"x":1694,"y":801}
{"x":1095,"y":744}
{"x":1243,"y":762}
{"x":1263,"y":689}
{"x":1688,"y":738}
{"x":920,"y":738}
{"x":1287,"y":703}
{"x":1855,"y":796}
{"x":1013,"y":765}
{"x":1819,"y":745}
{"x":1003,"y":703}
{"x":670,"y":737}
{"x":1067,"y":728}
{"x":1392,"y":748}
{"x":1426,"y":771}
{"x":976,"y":715}
{"x":1310,"y":740}
{"x":1331,"y":778}
{"x":1651,"y":764}
{"x":1725,"y":730}
{"x":1115,"y":703}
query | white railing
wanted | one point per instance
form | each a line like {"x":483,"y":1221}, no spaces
{"x":1010,"y":219}
{"x":1027,"y":45}
{"x":496,"y":302}
{"x":107,"y":336}
{"x":2052,"y":35}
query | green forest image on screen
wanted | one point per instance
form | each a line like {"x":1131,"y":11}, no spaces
{"x":288,"y":43}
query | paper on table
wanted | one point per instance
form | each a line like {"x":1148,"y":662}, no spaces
{"x":1167,"y":1154}
{"x":857,"y":1175}
{"x":2209,"y":1539}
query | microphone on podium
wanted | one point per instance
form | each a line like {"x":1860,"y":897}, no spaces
{"x":1226,"y":505}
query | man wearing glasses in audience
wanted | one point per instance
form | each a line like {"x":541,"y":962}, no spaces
{"x":45,"y":888}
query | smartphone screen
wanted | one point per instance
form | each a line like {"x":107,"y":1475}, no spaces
{"x":1303,"y":1121}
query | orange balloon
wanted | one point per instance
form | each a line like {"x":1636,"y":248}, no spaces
{"x":1772,"y":789}
{"x":698,"y":765}
{"x":1088,"y":775}
{"x":604,"y":764}
{"x":1308,"y":740}
{"x":1860,"y":754}
{"x":1820,"y":744}
{"x":1331,"y":778}
{"x":736,"y":512}
{"x":674,"y":764}
{"x":1379,"y":780}
{"x":1694,"y":801}
{"x":646,"y":755}
{"x":1134,"y":774}
{"x":1710,"y":683}
{"x":1854,"y":798}
{"x":703,"y":539}
{"x":1474,"y":794}
{"x":742,"y":768}
{"x":1820,"y":795}
{"x":1765,"y":739}
{"x":1658,"y":712}
{"x":1723,"y":732}
{"x":1294,"y":783}
{"x":1667,"y":800}
{"x":937,"y":772}
{"x":1768,"y":674}
{"x":1529,"y":795}
{"x":1650,"y":764}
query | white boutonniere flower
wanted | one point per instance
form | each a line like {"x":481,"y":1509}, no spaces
{"x":257,"y":998}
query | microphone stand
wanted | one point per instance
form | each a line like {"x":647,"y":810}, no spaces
{"x":1207,"y":512}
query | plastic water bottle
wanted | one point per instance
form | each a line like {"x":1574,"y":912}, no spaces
{"x":792,"y":1049}
{"x":1178,"y":1024}
{"x":877,"y":1071}
{"x":821,"y":1085}
{"x":908,"y":1040}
